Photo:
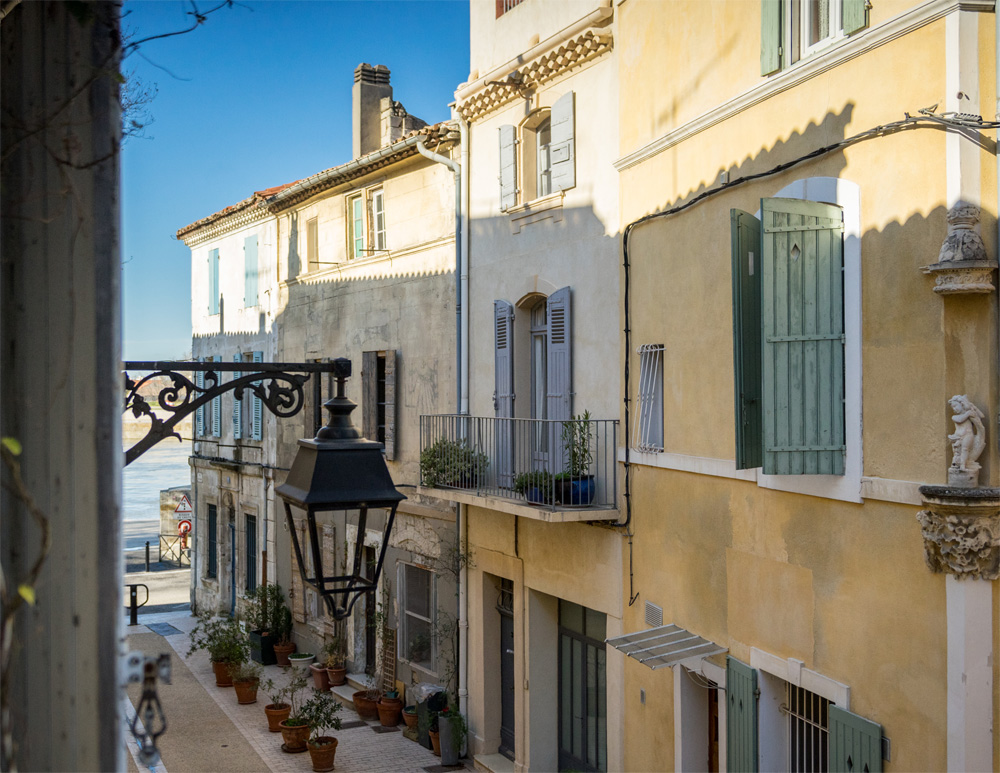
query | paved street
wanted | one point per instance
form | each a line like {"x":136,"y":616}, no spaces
{"x":207,"y":730}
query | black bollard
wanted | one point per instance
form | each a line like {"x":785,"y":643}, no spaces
{"x":147,"y":555}
{"x":133,"y":607}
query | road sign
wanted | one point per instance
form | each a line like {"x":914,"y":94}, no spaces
{"x":183,"y":509}
{"x":184,"y":527}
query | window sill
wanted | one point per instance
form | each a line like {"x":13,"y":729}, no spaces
{"x":544,"y":208}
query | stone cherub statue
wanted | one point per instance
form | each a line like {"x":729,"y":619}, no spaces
{"x":967,"y":442}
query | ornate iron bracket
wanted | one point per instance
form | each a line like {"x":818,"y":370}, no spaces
{"x":279,"y":386}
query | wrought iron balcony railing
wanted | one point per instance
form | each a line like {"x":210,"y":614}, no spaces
{"x":545,"y":463}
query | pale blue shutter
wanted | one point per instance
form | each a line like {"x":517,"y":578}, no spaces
{"x":746,"y":258}
{"x":855,"y":15}
{"x":770,"y":36}
{"x":563,"y":143}
{"x":802,"y":312}
{"x":199,"y":414}
{"x":217,"y":405}
{"x":508,"y":167}
{"x":503,"y":394}
{"x":559,"y":376}
{"x":213,"y":281}
{"x":237,"y":405}
{"x":855,"y":743}
{"x":257,"y":418}
{"x":741,"y":716}
{"x":250,"y":269}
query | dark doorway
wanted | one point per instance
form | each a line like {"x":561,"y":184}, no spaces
{"x":370,"y":632}
{"x":505,"y":606}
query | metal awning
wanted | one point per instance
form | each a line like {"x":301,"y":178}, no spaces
{"x":664,"y":646}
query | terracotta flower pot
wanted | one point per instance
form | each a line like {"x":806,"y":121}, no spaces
{"x":295,"y":737}
{"x":282,"y":651}
{"x":410,"y":718}
{"x":322,"y":752}
{"x":435,"y":741}
{"x":246,"y":690}
{"x":276,"y":714}
{"x":389,"y":710}
{"x":222,"y":676}
{"x":320,"y":678}
{"x":338,"y":675}
{"x":365,"y":706}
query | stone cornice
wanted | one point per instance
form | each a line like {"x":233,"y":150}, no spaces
{"x":582,"y":48}
{"x":254,"y":211}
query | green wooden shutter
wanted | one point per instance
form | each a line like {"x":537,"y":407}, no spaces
{"x":746,"y":256}
{"x":250,"y":272}
{"x":855,"y":743}
{"x":802,"y":310}
{"x":855,"y":15}
{"x":741,"y":716}
{"x":237,"y":404}
{"x":770,"y":36}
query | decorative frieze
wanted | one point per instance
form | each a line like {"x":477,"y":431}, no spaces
{"x":963,"y":266}
{"x":961,"y":531}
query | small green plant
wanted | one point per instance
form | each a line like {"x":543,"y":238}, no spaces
{"x":320,"y":713}
{"x":246,"y":671}
{"x":277,"y":695}
{"x":452,"y":463}
{"x":292,"y":696}
{"x":535,"y":485}
{"x":334,"y":652}
{"x":577,"y":440}
{"x":283,"y":630}
{"x":222,"y":638}
{"x":263,"y":609}
{"x":459,"y":728}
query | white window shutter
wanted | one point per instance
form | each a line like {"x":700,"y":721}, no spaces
{"x":503,"y":395}
{"x":508,"y":167}
{"x":563,"y":147}
{"x":199,"y":414}
{"x":237,"y":405}
{"x":257,"y":417}
{"x":560,"y":362}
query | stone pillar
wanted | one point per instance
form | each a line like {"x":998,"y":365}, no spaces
{"x":961,"y":531}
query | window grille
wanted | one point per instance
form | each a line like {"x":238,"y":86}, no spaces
{"x":648,"y":433}
{"x":505,"y":5}
{"x":808,"y":730}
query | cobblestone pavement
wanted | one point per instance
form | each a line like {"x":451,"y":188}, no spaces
{"x":360,"y":748}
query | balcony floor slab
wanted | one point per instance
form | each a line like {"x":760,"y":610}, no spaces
{"x":514,"y":507}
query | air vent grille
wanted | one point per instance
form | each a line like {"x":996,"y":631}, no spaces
{"x":654,"y":614}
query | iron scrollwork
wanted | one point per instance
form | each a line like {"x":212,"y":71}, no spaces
{"x":279,"y":387}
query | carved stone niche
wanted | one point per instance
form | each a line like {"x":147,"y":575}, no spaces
{"x":961,"y":531}
{"x":963,"y":266}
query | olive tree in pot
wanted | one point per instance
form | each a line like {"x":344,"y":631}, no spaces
{"x":279,"y":708}
{"x":262,"y":613}
{"x":284,"y":646}
{"x":321,"y":714}
{"x":334,"y":655}
{"x":246,"y":679}
{"x":575,"y":485}
{"x":225,"y":643}
{"x":295,"y":727}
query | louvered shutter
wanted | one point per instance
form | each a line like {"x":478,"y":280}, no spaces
{"x":250,"y":269}
{"x":563,"y":143}
{"x":741,"y":717}
{"x":503,"y":394}
{"x":237,"y":405}
{"x":213,"y":281}
{"x":199,"y":414}
{"x":369,"y":395}
{"x":746,"y":258}
{"x":855,"y":743}
{"x":508,"y":167}
{"x":217,"y":404}
{"x":770,"y":36}
{"x":803,"y":330}
{"x":257,"y":417}
{"x":559,"y":360}
{"x":298,"y":588}
{"x":390,"y":404}
{"x":855,"y":15}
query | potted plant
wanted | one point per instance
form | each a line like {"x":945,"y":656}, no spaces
{"x":410,"y":717}
{"x":335,"y":656}
{"x":225,"y":643}
{"x":452,"y":464}
{"x":262,"y":613}
{"x":436,"y":703}
{"x":536,"y":486}
{"x":279,"y":708}
{"x":576,"y":484}
{"x":320,"y":713}
{"x":284,"y":646}
{"x":452,"y":730}
{"x":246,"y":679}
{"x":390,"y":706}
{"x":295,"y":727}
{"x":366,"y":701}
{"x":302,"y":659}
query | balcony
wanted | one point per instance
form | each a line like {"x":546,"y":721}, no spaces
{"x":558,"y":471}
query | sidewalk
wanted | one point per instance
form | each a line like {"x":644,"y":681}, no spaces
{"x":207,"y":730}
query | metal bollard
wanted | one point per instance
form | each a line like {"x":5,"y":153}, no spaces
{"x":133,"y":599}
{"x":147,"y":555}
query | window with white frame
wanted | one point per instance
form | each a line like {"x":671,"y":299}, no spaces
{"x":648,"y":432}
{"x":542,"y":160}
{"x":792,"y":30}
{"x":376,"y":208}
{"x":417,"y":613}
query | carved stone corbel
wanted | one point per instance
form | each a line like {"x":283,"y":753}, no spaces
{"x":963,"y":266}
{"x":961,"y":531}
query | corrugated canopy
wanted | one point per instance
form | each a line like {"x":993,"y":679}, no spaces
{"x":664,"y":646}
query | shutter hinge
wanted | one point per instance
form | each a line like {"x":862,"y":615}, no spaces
{"x":756,"y":693}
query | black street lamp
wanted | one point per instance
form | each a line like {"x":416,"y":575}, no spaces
{"x":339,"y":470}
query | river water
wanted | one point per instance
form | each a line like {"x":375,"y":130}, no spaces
{"x":163,"y":466}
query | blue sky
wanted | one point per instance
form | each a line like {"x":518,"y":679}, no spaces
{"x":258,"y":95}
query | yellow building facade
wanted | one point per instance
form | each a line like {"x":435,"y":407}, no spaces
{"x":798,"y":559}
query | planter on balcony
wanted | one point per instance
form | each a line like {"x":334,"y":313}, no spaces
{"x":576,"y":492}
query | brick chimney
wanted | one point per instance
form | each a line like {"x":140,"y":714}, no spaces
{"x":371,"y":85}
